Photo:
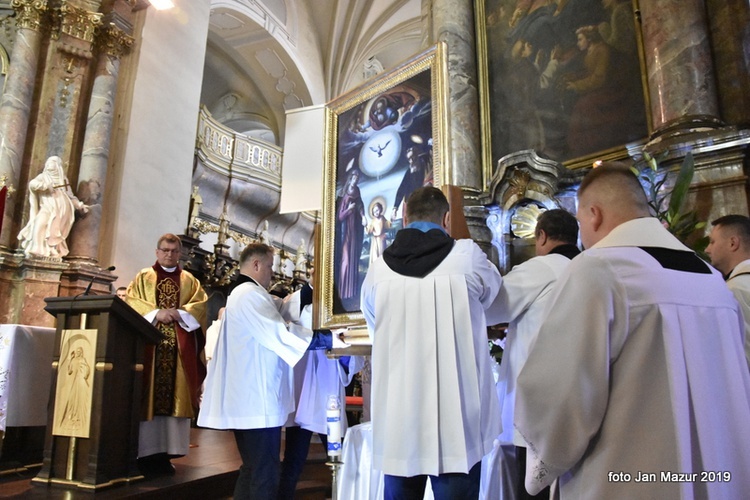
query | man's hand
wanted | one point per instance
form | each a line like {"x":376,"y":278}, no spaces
{"x":167,"y":316}
{"x":337,"y":337}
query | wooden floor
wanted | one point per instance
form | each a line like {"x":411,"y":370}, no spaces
{"x":209,"y":471}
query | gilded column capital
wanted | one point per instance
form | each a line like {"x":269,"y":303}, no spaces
{"x":79,"y":23}
{"x":29,"y":13}
{"x":114,"y":41}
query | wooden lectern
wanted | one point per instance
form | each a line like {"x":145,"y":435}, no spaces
{"x":94,"y":412}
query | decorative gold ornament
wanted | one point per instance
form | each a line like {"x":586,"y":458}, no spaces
{"x":517,"y":185}
{"x":113,"y":41}
{"x":3,"y":183}
{"x":79,"y":23}
{"x":29,"y":13}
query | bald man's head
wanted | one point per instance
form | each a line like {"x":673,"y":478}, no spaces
{"x":608,"y":196}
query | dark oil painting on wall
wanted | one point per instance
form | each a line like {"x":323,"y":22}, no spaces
{"x":561,"y":77}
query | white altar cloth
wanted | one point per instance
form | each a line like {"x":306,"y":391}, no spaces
{"x":25,"y":374}
{"x":357,"y":479}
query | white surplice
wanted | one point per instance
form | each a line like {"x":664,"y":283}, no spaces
{"x":521,"y":302}
{"x":434,"y":406}
{"x":739,"y":283}
{"x":316,"y":377}
{"x":249,"y":383}
{"x":637,"y":369}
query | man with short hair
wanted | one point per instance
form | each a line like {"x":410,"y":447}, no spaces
{"x":434,"y":408}
{"x":175,"y":302}
{"x":636,"y":386}
{"x":250,"y":387}
{"x":729,"y":250}
{"x":521,"y":302}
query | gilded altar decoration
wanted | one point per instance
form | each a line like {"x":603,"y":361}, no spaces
{"x":29,"y":13}
{"x":113,"y":41}
{"x":79,"y":23}
{"x":75,"y":383}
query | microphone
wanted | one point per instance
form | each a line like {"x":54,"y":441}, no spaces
{"x":88,"y":287}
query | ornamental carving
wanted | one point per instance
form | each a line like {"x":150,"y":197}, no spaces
{"x":113,"y":41}
{"x":29,"y":13}
{"x":79,"y":23}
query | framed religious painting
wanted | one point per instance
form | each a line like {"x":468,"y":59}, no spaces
{"x":384,"y":139}
{"x":563,"y":78}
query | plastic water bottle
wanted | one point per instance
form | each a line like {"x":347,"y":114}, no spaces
{"x":333,"y":421}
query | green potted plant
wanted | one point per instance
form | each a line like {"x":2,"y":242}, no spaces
{"x":667,"y":203}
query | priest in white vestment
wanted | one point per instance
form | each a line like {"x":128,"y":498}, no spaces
{"x":637,"y":386}
{"x":434,"y":408}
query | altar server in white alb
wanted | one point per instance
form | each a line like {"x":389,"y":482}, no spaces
{"x":316,"y":377}
{"x":249,"y":387}
{"x":637,"y":386}
{"x":729,"y":250}
{"x":434,"y":408}
{"x":522,"y":302}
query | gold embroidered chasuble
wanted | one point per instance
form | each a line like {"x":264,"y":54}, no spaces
{"x":174,"y":369}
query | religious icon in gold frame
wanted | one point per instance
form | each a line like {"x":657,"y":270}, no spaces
{"x":383,"y":140}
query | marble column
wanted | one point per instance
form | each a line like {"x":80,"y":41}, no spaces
{"x":92,"y":175}
{"x":15,"y":108}
{"x":730,"y":39}
{"x":67,"y":74}
{"x":453,"y":23}
{"x":679,"y":65}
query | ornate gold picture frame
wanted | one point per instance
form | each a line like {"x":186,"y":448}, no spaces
{"x":383,"y":140}
{"x":564,"y":78}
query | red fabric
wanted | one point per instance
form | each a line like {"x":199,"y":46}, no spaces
{"x":354,"y":401}
{"x":3,"y":194}
{"x":190,"y":344}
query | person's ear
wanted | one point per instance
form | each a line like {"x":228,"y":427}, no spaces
{"x":734,"y":243}
{"x":541,"y":237}
{"x":447,"y":221}
{"x":597,"y":217}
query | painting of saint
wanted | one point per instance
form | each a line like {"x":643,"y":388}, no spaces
{"x":377,"y":229}
{"x":566,"y":74}
{"x":351,"y":217}
{"x":384,"y":152}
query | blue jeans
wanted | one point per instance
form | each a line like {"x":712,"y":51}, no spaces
{"x":259,"y":473}
{"x":450,"y":486}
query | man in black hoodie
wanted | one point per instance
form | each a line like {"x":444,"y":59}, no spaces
{"x":434,"y":408}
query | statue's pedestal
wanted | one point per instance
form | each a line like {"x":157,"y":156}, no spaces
{"x":24,"y":284}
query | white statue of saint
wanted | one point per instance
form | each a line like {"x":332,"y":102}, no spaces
{"x":265,"y":235}
{"x":52,"y":207}
{"x":300,"y":263}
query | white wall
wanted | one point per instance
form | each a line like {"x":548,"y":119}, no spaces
{"x":151,"y":194}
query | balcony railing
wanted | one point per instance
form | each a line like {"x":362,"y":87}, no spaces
{"x":224,"y":150}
